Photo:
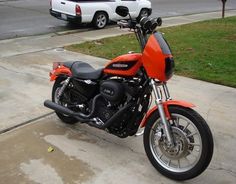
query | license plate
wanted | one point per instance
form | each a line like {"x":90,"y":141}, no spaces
{"x":63,"y":16}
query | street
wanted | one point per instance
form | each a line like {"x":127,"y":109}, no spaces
{"x":31,"y":17}
{"x":166,"y":8}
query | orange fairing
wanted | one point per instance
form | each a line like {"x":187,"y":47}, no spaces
{"x":60,"y":70}
{"x":165,"y":104}
{"x":124,"y":65}
{"x":156,"y":56}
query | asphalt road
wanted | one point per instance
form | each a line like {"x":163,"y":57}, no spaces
{"x":166,"y":8}
{"x":31,"y":17}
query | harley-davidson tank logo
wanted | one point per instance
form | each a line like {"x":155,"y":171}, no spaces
{"x":121,"y":65}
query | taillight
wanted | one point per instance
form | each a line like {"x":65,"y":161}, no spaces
{"x":78,"y":10}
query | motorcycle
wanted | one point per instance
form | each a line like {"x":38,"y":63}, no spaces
{"x":117,"y":99}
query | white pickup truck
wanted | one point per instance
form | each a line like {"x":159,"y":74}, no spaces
{"x":97,"y":12}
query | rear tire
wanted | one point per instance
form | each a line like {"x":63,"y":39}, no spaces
{"x":100,"y":20}
{"x":171,"y":166}
{"x":57,"y":85}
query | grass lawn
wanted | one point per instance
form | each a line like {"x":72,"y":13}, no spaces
{"x":204,"y":50}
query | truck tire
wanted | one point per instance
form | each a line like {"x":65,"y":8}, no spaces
{"x":143,"y":13}
{"x":100,"y":20}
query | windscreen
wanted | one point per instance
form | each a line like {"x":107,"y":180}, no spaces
{"x":163,"y":43}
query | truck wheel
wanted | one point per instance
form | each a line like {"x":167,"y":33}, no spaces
{"x":100,"y":20}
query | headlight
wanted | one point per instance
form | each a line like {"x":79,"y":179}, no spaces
{"x":169,"y":68}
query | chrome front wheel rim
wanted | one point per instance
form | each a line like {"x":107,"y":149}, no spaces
{"x":188,"y":144}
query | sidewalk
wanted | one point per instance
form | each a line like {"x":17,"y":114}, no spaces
{"x":83,"y":154}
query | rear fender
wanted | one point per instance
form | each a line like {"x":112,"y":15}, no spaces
{"x":61,"y":70}
{"x":165,"y":104}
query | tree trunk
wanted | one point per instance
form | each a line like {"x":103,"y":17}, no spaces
{"x":223,"y":8}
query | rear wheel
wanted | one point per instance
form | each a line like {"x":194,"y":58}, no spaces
{"x":64,"y":100}
{"x":100,"y":20}
{"x":193,"y":148}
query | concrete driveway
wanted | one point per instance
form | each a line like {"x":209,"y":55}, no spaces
{"x":86,"y":155}
{"x":83,"y":154}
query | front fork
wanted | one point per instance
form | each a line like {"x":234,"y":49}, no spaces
{"x":159,"y":104}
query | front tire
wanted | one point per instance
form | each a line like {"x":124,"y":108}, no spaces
{"x":56,"y":87}
{"x":193,"y":148}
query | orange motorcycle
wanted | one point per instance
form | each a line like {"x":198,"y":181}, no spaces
{"x":117,"y":98}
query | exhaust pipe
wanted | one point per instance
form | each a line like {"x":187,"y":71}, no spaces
{"x":82,"y":118}
{"x":64,"y":110}
{"x":79,"y":116}
{"x":58,"y":108}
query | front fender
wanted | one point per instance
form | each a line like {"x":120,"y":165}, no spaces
{"x":62,"y":70}
{"x":165,"y":104}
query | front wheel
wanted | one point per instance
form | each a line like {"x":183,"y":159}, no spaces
{"x":193,"y":147}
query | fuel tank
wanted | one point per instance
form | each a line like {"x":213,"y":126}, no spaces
{"x":124,"y":65}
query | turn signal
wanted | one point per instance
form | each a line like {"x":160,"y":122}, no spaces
{"x":55,"y":65}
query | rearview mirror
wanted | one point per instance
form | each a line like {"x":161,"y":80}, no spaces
{"x":122,"y":11}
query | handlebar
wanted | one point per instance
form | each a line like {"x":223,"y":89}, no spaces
{"x":147,"y":24}
{"x":142,"y":28}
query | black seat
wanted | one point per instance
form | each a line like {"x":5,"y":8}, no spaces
{"x":68,"y":64}
{"x":83,"y":70}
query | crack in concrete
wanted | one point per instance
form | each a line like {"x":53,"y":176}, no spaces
{"x":30,"y":52}
{"x":21,"y":73}
{"x":229,"y":171}
{"x":25,"y":123}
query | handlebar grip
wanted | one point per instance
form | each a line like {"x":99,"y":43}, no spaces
{"x":150,"y":24}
